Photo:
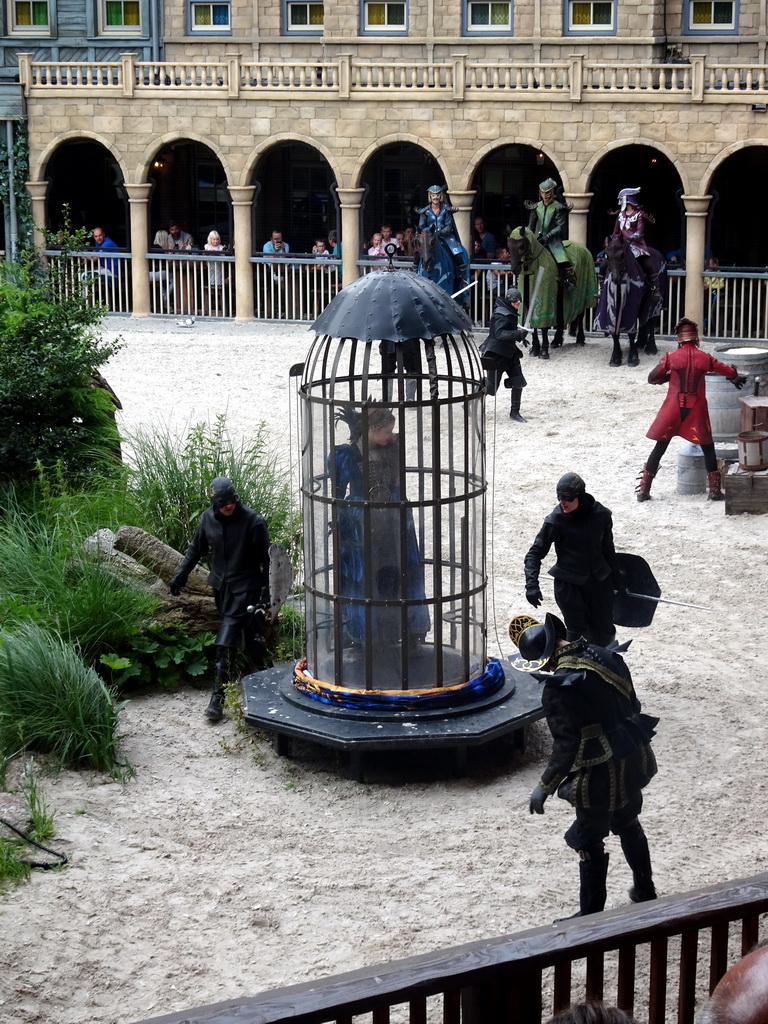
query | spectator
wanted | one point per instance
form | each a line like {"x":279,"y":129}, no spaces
{"x":486,"y":239}
{"x":158,"y":275}
{"x":102,"y":269}
{"x":376,"y":248}
{"x":409,"y":240}
{"x":386,"y":235}
{"x":592,"y":1013}
{"x":179,"y":239}
{"x":215,"y":275}
{"x":333,"y":240}
{"x":277,"y":246}
{"x":320,"y":247}
{"x":713,"y":287}
{"x":400,"y":243}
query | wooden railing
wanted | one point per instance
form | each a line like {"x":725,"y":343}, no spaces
{"x":657,"y":960}
{"x":573,"y":80}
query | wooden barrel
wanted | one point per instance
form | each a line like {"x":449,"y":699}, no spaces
{"x":723,"y":398}
{"x":691,"y":475}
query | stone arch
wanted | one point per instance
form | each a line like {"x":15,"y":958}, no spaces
{"x":38,"y":169}
{"x":159,"y":143}
{"x":485,"y":151}
{"x":400,"y":137}
{"x":189,"y":180}
{"x":330,"y":158}
{"x":609,"y":147}
{"x":733,"y":238}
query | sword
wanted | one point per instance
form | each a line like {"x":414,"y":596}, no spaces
{"x":537,"y":285}
{"x":667,"y":600}
{"x":464,"y":289}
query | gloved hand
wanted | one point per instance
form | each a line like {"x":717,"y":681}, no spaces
{"x":175,"y":588}
{"x":534,"y":596}
{"x":619,"y":584}
{"x":538,"y":796}
{"x":739,"y":382}
{"x":523,"y":328}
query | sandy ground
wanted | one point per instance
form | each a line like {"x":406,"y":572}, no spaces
{"x":217,"y":873}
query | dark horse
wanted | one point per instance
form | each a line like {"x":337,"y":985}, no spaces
{"x":554,"y":305}
{"x":434,"y":260}
{"x":626,"y":302}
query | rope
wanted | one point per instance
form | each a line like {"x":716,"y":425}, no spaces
{"x":45,"y":865}
{"x":493,"y":522}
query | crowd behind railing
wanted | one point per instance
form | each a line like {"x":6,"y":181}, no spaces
{"x":298,"y":286}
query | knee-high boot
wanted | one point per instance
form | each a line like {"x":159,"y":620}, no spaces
{"x":643,"y":489}
{"x":713,"y":480}
{"x":215,"y":708}
{"x":634,"y":845}
{"x":593,"y":872}
{"x":514,"y":406}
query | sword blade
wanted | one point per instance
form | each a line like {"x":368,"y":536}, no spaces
{"x":668,"y":600}
{"x":536,"y":287}
{"x":464,"y":289}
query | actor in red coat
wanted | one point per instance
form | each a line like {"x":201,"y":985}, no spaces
{"x":684,"y":412}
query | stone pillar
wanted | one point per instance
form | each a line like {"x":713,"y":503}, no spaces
{"x":463,"y":201}
{"x":138,"y":201}
{"x":577,"y":218}
{"x":696,"y":209}
{"x":242,"y":210}
{"x":38,"y":190}
{"x":350,"y":200}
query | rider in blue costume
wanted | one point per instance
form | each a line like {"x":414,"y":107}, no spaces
{"x":379,"y":483}
{"x":437,"y":217}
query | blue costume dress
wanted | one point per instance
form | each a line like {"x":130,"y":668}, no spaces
{"x":387,"y":553}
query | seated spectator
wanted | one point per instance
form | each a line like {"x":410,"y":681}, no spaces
{"x":320,"y":248}
{"x":376,"y":249}
{"x":103,"y":269}
{"x":158,"y":274}
{"x":400,"y":243}
{"x":333,"y":241}
{"x":179,"y":239}
{"x":486,"y":239}
{"x":215,"y":275}
{"x":409,"y":240}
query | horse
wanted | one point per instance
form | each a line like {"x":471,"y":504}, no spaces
{"x":626,"y":302}
{"x":554,"y":304}
{"x":434,"y":260}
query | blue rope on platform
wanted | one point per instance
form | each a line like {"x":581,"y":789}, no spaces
{"x":480,"y":686}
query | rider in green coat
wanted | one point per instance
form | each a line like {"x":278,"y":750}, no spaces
{"x":548,"y":223}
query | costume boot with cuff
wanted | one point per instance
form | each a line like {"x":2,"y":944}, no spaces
{"x":634,"y":845}
{"x":713,"y":480}
{"x":514,"y":407}
{"x":643,"y":489}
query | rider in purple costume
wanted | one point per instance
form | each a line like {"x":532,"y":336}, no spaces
{"x":631,"y":222}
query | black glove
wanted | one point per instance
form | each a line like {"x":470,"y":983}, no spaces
{"x":739,"y":382}
{"x":538,"y":796}
{"x":534,"y":596}
{"x":619,"y":584}
{"x":175,"y":588}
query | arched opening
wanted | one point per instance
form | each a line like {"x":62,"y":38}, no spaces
{"x":295,"y":196}
{"x":190,"y":188}
{"x":396,"y":179}
{"x":736,"y":239}
{"x":638,"y":167}
{"x":505,"y":179}
{"x":84,"y":176}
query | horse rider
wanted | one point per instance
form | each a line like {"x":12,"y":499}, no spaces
{"x":631,"y":222}
{"x":685,"y":412}
{"x":500,"y":353}
{"x":601,"y":756}
{"x":548,"y":223}
{"x":437,"y":217}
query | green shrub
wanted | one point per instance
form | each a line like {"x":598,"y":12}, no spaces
{"x":164,"y":655}
{"x":45,"y":577}
{"x":51,"y":701}
{"x":170,"y":478}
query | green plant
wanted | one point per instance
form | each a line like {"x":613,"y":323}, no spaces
{"x":51,"y":701}
{"x":20,"y":152}
{"x":170,"y":478}
{"x":12,"y":870}
{"x":290,"y":635}
{"x":164,"y":655}
{"x":39,"y":812}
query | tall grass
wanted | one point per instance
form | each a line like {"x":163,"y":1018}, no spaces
{"x":51,"y":701}
{"x":46,"y":577}
{"x":170,"y":477}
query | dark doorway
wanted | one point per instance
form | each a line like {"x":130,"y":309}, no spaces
{"x":504,"y":181}
{"x":735,"y":237}
{"x":296,"y":196}
{"x":645,"y":168}
{"x":397,"y":179}
{"x":86,"y":177}
{"x":190,"y":188}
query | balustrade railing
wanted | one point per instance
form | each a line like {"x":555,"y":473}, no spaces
{"x":286,"y":288}
{"x":188,"y":284}
{"x":102,"y":276}
{"x":573,"y":80}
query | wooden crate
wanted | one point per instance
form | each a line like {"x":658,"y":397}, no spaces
{"x":745,"y":492}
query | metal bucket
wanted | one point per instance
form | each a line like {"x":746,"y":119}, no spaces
{"x":723,"y":398}
{"x":691,"y":475}
{"x":753,"y":450}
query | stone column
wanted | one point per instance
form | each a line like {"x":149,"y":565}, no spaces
{"x":696,"y":209}
{"x":38,"y":190}
{"x":242,"y":210}
{"x":350,"y":199}
{"x":463,"y":202}
{"x":577,"y":218}
{"x":138,"y":201}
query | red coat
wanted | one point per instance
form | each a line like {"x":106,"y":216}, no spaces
{"x":684,"y":369}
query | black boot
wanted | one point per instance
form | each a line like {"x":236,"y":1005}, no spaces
{"x":215,"y":709}
{"x":634,"y":845}
{"x":514,"y":407}
{"x":593,"y":872}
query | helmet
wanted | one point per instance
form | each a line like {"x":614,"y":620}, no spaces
{"x":570,"y":486}
{"x":435,"y":190}
{"x":687,"y":332}
{"x":535,"y":640}
{"x":628,"y":195}
{"x":547,"y":189}
{"x":222,"y":492}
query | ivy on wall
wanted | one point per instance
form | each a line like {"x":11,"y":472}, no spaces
{"x":20,"y":178}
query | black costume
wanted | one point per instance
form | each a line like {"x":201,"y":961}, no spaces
{"x":584,"y":570}
{"x":601,"y":755}
{"x":501,"y":354}
{"x":238,"y":545}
